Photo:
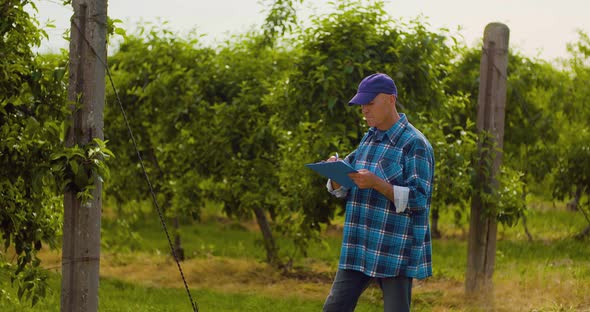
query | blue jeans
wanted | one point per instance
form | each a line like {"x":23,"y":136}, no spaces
{"x":349,"y":285}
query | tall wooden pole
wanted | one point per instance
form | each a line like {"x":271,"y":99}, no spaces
{"x":81,"y":231}
{"x":490,"y":125}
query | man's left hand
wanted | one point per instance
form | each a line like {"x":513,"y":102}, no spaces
{"x":364,"y":179}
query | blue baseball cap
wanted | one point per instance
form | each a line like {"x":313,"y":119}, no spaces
{"x":371,"y":86}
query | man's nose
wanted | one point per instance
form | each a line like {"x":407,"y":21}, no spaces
{"x":364,"y":108}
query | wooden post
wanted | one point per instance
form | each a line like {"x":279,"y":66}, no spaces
{"x":81,"y":231}
{"x":490,"y":125}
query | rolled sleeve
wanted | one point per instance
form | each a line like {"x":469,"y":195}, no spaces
{"x":339,"y":192}
{"x":400,"y":198}
{"x":419,"y":166}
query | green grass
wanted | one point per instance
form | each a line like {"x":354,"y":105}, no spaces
{"x":552,"y":231}
{"x":213,"y":235}
{"x":449,"y":259}
{"x":548,"y":225}
{"x":537,"y":268}
{"x":118,"y":296}
{"x":210,"y":237}
{"x":544,"y":222}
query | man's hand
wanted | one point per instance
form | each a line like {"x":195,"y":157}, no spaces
{"x":364,"y":179}
{"x":335,"y":185}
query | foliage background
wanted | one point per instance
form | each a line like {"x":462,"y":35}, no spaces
{"x":231,"y":125}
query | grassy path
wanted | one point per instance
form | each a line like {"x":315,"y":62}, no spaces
{"x":224,"y":272}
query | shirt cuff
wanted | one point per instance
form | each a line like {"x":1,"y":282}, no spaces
{"x":400,"y":198}
{"x":339,"y":192}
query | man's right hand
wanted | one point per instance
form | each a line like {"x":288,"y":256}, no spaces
{"x":335,"y":185}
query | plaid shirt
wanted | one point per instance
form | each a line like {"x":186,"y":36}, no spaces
{"x":378,"y":241}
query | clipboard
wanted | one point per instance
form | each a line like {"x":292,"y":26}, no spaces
{"x":335,"y":170}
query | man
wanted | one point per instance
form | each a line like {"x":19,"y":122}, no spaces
{"x":386,"y":231}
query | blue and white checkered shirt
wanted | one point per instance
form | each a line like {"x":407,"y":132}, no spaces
{"x":377,"y":240}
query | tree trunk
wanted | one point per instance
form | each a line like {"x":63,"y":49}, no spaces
{"x":177,"y":246}
{"x":573,"y":204}
{"x":584,"y":233}
{"x":151,"y":155}
{"x":434,"y":228}
{"x":269,"y":244}
{"x":526,"y":228}
{"x":119,"y":209}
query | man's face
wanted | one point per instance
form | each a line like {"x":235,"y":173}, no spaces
{"x":379,"y":112}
